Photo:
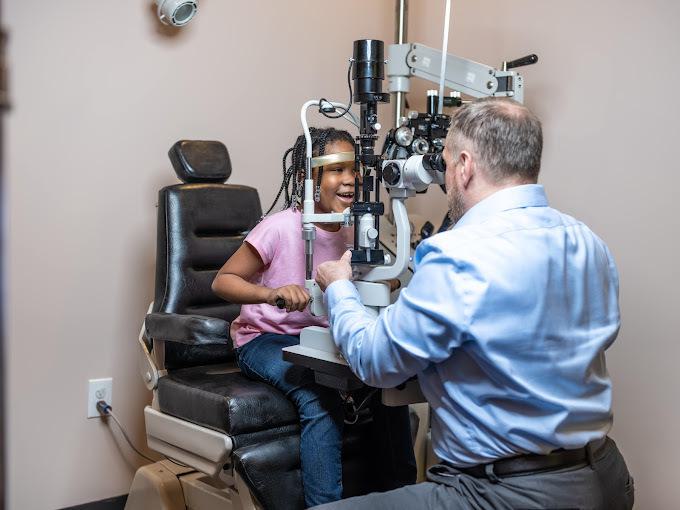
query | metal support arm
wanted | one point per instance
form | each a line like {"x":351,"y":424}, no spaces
{"x":466,"y":76}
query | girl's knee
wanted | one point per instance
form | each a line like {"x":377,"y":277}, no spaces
{"x":313,"y":403}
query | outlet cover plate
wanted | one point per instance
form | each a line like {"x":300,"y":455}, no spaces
{"x":98,"y":389}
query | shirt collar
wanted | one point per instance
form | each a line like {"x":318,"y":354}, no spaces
{"x":526,"y":195}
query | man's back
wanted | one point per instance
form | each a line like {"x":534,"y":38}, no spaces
{"x":532,"y":299}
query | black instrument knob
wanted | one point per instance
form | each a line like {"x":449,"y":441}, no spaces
{"x":523,"y":61}
{"x":427,"y":230}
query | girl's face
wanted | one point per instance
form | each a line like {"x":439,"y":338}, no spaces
{"x":337,"y":181}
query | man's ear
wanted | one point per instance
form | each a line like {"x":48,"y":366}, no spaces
{"x":465,"y":168}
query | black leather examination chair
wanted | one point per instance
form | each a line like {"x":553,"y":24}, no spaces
{"x":228,"y":441}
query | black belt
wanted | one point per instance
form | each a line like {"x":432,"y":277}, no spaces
{"x":529,"y":463}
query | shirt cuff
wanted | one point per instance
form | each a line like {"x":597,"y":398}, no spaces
{"x":338,"y":290}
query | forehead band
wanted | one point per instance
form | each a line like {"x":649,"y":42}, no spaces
{"x":329,"y":159}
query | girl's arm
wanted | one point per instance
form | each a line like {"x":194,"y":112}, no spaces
{"x":232,"y":283}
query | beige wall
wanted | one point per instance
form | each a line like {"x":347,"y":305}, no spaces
{"x":605,"y":90}
{"x":97,"y":102}
{"x":99,"y":94}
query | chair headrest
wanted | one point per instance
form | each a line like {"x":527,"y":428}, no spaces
{"x":200,"y":161}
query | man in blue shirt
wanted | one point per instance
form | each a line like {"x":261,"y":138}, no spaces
{"x":505,"y":323}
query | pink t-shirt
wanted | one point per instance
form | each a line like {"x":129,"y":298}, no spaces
{"x":278,"y":240}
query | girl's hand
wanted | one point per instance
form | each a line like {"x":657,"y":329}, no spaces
{"x":296,"y":298}
{"x":394,"y":284}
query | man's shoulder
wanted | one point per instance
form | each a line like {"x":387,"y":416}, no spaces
{"x":459,"y":237}
{"x":516,"y":220}
{"x":554,"y":218}
{"x":448,"y":244}
{"x":505,"y":226}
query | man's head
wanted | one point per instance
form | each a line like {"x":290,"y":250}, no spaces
{"x":492,"y":144}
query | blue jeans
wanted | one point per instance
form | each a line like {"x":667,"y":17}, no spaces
{"x":320,"y":410}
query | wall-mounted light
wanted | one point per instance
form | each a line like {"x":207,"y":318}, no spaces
{"x":176,"y":12}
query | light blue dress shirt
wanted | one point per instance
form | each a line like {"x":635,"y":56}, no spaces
{"x":505,"y":323}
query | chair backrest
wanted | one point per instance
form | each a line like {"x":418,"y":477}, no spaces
{"x":201,"y":223}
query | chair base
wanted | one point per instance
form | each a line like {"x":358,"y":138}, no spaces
{"x":201,"y":448}
{"x":165,"y":485}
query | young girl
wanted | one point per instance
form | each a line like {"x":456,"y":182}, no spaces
{"x":269,"y":266}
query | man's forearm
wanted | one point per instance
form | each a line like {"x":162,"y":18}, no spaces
{"x":361,"y":339}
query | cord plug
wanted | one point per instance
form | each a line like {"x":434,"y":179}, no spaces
{"x":106,"y":410}
{"x":103,"y":407}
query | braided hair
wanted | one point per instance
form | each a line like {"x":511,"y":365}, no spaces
{"x":292,"y":185}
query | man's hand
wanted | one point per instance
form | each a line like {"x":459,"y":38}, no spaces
{"x":334,"y":270}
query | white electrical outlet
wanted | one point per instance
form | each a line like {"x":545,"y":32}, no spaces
{"x":98,"y":389}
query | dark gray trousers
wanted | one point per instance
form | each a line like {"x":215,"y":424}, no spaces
{"x":606,"y":485}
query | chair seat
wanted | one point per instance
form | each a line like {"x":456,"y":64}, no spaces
{"x":216,"y":397}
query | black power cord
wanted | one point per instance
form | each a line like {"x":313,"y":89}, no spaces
{"x":351,"y":409}
{"x":349,"y":103}
{"x":106,"y":410}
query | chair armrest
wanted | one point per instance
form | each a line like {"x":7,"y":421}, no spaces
{"x":186,"y":329}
